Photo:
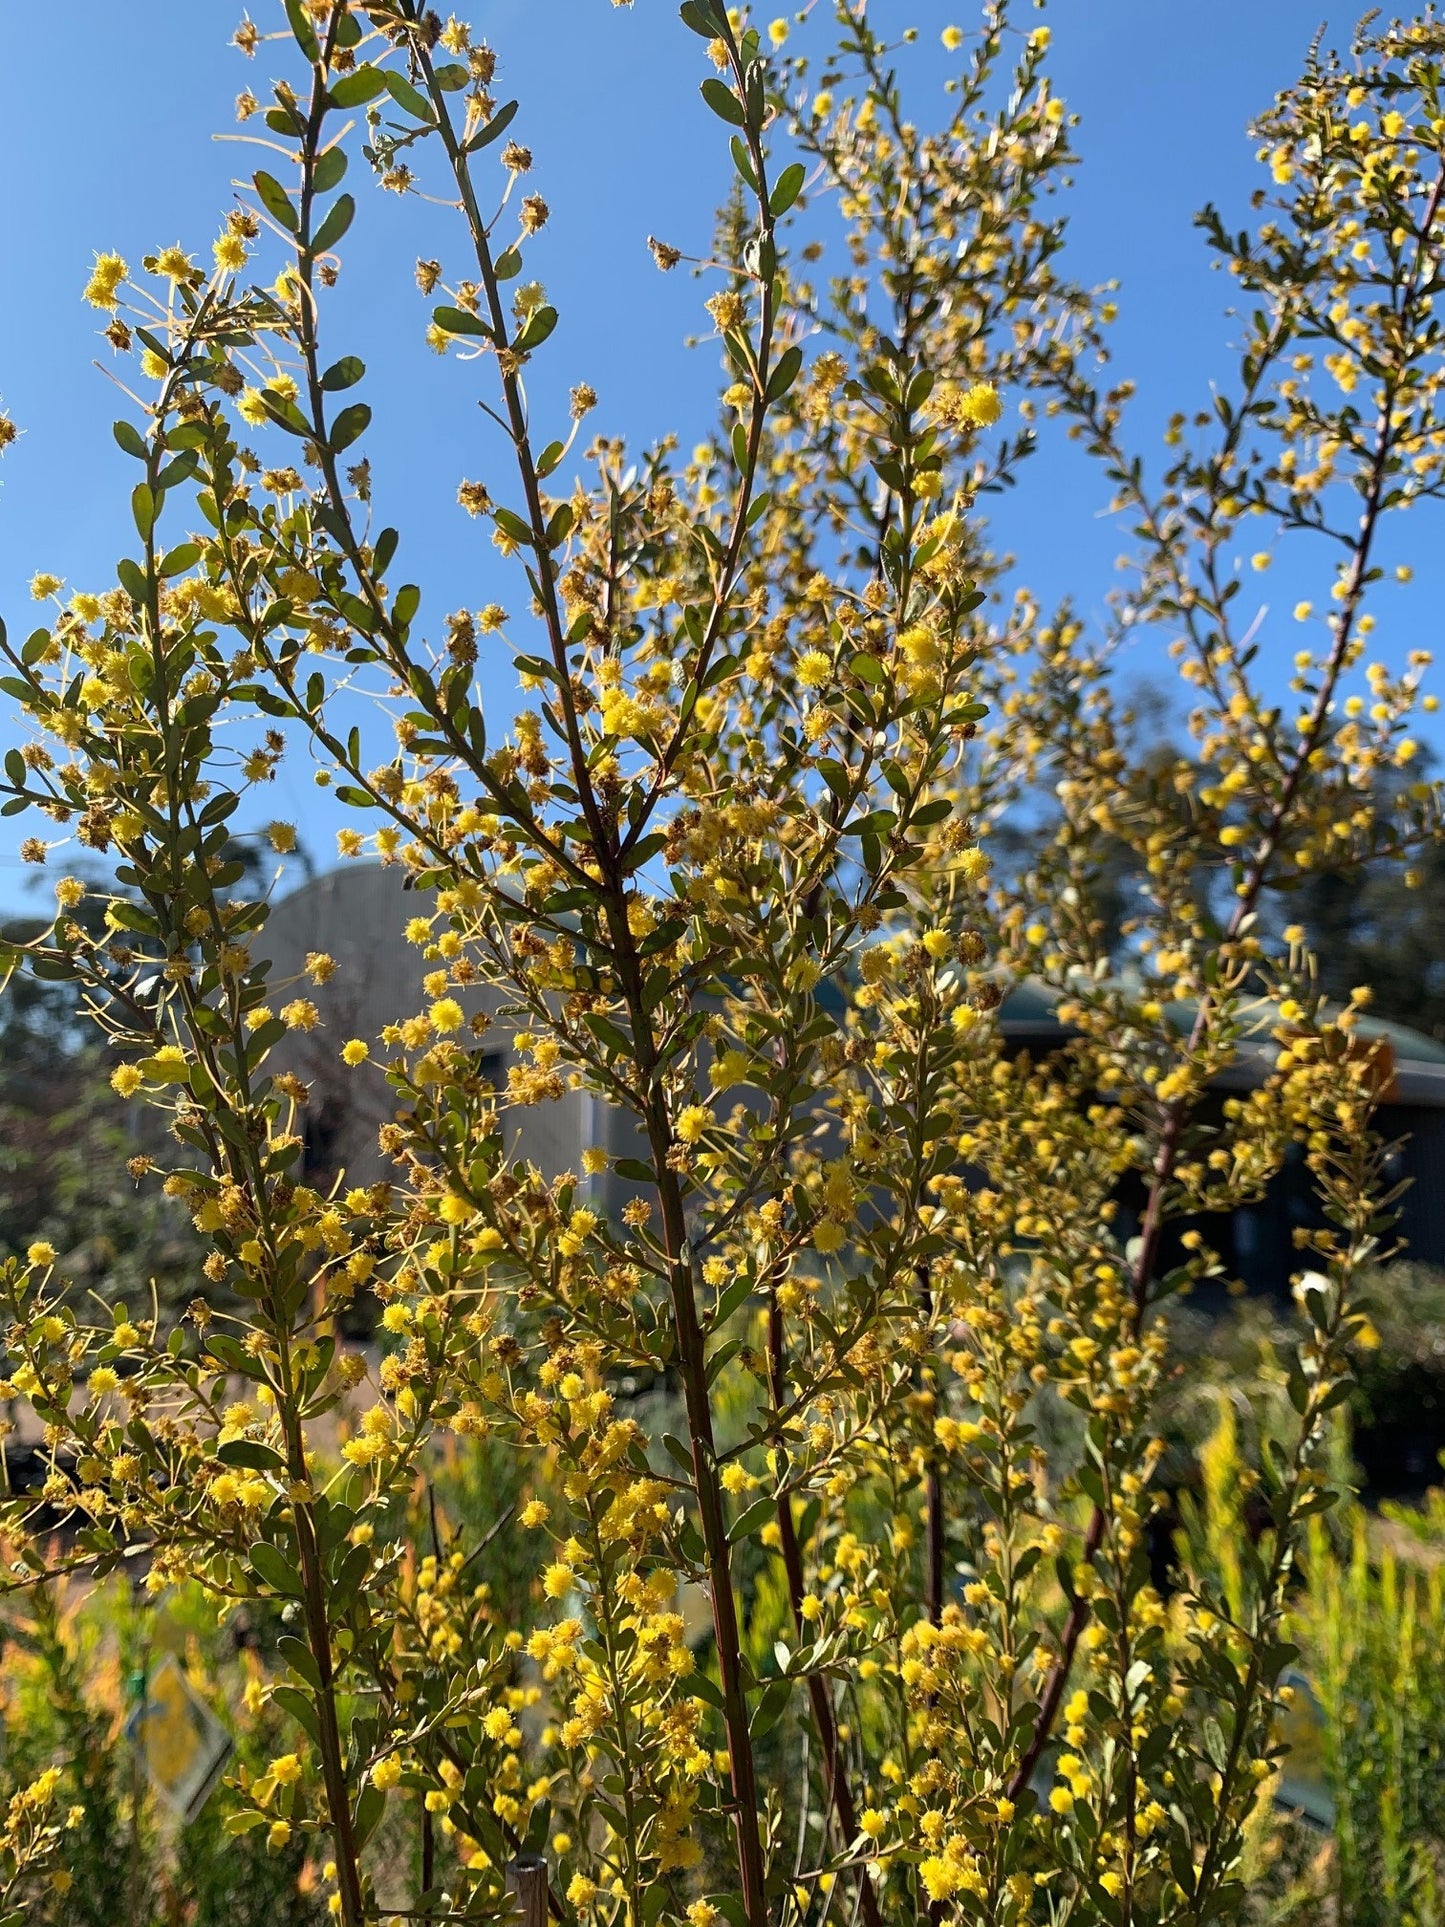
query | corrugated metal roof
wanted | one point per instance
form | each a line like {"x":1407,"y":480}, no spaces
{"x":1028,"y":1012}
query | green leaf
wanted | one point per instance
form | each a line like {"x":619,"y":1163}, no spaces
{"x":751,"y":1521}
{"x":329,"y":169}
{"x":184,"y":556}
{"x":789,"y":187}
{"x":293,"y":1701}
{"x":176,"y":472}
{"x":274,"y":1570}
{"x":743,"y":162}
{"x":407,"y":97}
{"x":284,"y":412}
{"x":537,"y":666}
{"x":537,"y":330}
{"x":300,"y":1658}
{"x":227,"y":1351}
{"x":451,"y":78}
{"x":512,"y":526}
{"x":735,"y":1295}
{"x":785,"y":374}
{"x":130,"y":440}
{"x":302,"y":31}
{"x":343,"y":374}
{"x":355,"y":89}
{"x":459,"y":321}
{"x":608,"y":1034}
{"x":349,"y":424}
{"x":276,"y":201}
{"x":494,"y":129}
{"x":143,"y":509}
{"x":694,"y":14}
{"x":724,"y":102}
{"x":725,"y":1354}
{"x":246,"y":1822}
{"x":348,"y":1572}
{"x":342,"y":214}
{"x":370,"y":1805}
{"x":252,"y":1454}
{"x":836,"y":776}
{"x":770,"y":1708}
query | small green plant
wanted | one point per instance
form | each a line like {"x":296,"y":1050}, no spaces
{"x":1364,"y":1725}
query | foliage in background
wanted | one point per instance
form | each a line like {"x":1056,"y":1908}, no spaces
{"x":1366,"y":1694}
{"x":1396,"y":1404}
{"x":65,"y":1144}
{"x":73,"y":1667}
{"x":728,"y":871}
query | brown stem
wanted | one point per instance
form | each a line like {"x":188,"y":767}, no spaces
{"x":933,"y":1547}
{"x":428,"y":1855}
{"x":691,"y":1349}
{"x":934,"y":1521}
{"x":313,"y":1578}
{"x":333,"y":1759}
{"x":692,"y":1368}
{"x":835,"y":1779}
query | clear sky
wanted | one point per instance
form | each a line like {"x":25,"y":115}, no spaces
{"x":122,"y":156}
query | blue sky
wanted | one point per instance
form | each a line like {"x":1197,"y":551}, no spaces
{"x":123,"y":157}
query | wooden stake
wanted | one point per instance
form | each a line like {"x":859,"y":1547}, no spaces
{"x":527,"y":1885}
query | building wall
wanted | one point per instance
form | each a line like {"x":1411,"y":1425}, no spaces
{"x":358,"y":916}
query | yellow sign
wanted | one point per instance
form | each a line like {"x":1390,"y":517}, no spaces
{"x":1300,"y":1728}
{"x":181,"y":1743}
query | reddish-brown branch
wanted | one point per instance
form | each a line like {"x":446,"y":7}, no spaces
{"x":835,"y":1779}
